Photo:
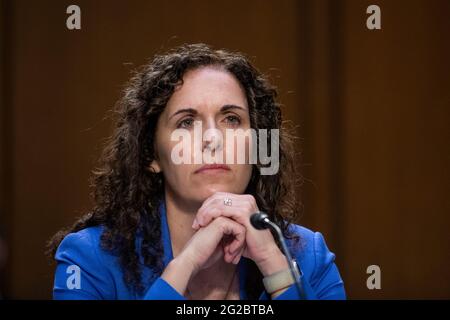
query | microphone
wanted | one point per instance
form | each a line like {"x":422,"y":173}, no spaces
{"x":260,"y":221}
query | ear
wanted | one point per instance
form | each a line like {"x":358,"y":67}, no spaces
{"x":155,"y":167}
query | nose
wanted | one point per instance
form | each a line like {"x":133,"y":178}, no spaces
{"x":213,"y":137}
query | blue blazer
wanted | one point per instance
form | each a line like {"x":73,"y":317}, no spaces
{"x":85,"y":271}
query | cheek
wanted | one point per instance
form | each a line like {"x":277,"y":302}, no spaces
{"x":174,"y":173}
{"x":238,"y":149}
{"x":168,"y":165}
{"x":177,"y":176}
{"x":242,"y":177}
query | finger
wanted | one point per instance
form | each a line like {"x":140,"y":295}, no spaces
{"x":236,"y":259}
{"x":209,"y":211}
{"x":241,"y":252}
{"x":206,"y":204}
{"x":226,"y":242}
{"x":238,"y":231}
{"x":245,"y":253}
{"x":228,"y":256}
{"x":240,"y":211}
{"x":228,"y":253}
{"x":239,"y":243}
{"x":238,"y":255}
{"x":230,"y":227}
{"x":214,"y":197}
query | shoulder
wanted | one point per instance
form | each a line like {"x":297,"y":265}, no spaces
{"x":312,"y":248}
{"x":85,"y":248}
{"x":310,"y":242}
{"x":317,"y":263}
{"x":84,"y":242}
{"x":83,"y":269}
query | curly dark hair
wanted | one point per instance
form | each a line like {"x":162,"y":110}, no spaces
{"x":127,"y":194}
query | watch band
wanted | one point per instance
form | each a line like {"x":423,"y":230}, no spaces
{"x":279,"y":280}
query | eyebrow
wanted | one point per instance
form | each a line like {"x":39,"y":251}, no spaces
{"x":194,"y":111}
{"x":230,"y":107}
{"x":186,"y":110}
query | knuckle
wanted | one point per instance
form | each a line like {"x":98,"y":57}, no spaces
{"x":214,"y":212}
{"x":252,"y":201}
{"x":216,"y":195}
{"x":220,"y":221}
{"x":200,"y":213}
{"x":248,"y":206}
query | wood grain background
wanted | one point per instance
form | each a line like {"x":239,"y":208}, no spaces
{"x":372,"y":110}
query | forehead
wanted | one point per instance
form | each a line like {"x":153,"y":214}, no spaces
{"x":207,"y":88}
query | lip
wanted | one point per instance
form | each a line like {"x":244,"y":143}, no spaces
{"x":213,"y":167}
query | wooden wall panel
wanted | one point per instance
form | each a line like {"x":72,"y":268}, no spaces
{"x":63,"y":82}
{"x":396,"y":106}
{"x":372,"y":110}
{"x":374,"y":122}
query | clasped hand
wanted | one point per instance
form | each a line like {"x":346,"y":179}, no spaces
{"x":224,"y":231}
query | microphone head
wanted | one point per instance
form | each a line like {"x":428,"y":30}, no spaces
{"x":258,"y":220}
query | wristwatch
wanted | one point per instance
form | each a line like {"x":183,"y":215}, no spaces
{"x":281,"y":279}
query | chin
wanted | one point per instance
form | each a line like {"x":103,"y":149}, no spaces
{"x":207,"y":191}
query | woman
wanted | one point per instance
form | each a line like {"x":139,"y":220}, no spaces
{"x":161,"y":229}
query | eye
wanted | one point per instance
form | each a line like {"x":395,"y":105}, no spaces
{"x":233,"y":120}
{"x":186,"y":123}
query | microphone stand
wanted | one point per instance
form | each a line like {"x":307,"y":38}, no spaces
{"x":293,"y":269}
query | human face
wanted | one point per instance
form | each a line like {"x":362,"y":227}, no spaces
{"x":212,"y":97}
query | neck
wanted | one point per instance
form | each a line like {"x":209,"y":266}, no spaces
{"x":180,"y":216}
